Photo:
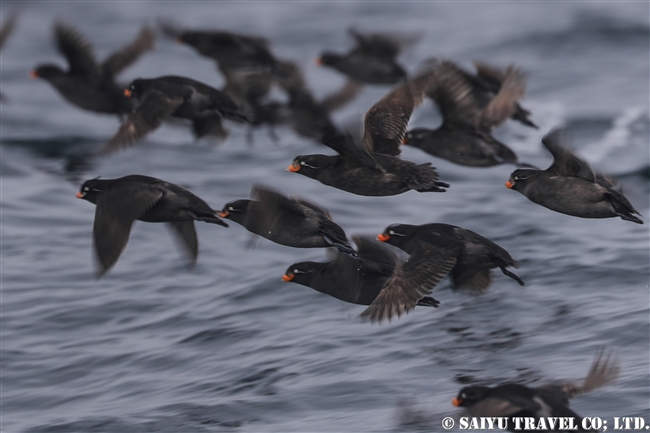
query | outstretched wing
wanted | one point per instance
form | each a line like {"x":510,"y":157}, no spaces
{"x":77,"y":51}
{"x":186,"y":234}
{"x":154,"y":108}
{"x":410,"y":282}
{"x":117,"y":209}
{"x":566,"y":163}
{"x":603,"y":371}
{"x":386,"y":121}
{"x":123,"y":58}
{"x":480,"y":104}
{"x":269,"y":204}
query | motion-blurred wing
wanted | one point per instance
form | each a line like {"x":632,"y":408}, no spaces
{"x":186,"y":234}
{"x":77,"y":51}
{"x":410,"y":282}
{"x":149,"y":115}
{"x":123,"y":58}
{"x":116,"y":211}
{"x":386,"y":121}
{"x":566,"y":163}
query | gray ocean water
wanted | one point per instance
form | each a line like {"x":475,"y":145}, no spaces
{"x":227,"y":346}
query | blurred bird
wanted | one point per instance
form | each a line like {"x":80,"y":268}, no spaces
{"x":122,"y":201}
{"x":513,"y":400}
{"x":287,"y":221}
{"x":231,"y":51}
{"x":373,"y":167}
{"x":570,"y":186}
{"x":436,"y":250}
{"x":309,"y":117}
{"x":249,"y":68}
{"x":471,"y":108}
{"x":88,"y":84}
{"x":355,"y":280}
{"x":372,"y":60}
{"x":250,"y":88}
{"x":172,"y":96}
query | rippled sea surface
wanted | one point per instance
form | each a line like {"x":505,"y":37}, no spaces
{"x":227,"y":346}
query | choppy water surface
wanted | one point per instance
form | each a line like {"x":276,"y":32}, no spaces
{"x":227,"y":346}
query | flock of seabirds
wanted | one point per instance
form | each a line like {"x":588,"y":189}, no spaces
{"x":472,"y":105}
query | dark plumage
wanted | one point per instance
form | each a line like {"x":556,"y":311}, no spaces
{"x":571,"y":187}
{"x":467,"y":147}
{"x":287,"y":221}
{"x":374,"y":168}
{"x":514,"y":400}
{"x":372,"y":60}
{"x":488,"y":83}
{"x":231,"y":51}
{"x":357,"y":281}
{"x":436,"y":250}
{"x":250,"y":90}
{"x":310,"y":117}
{"x":172,"y":96}
{"x":470,"y":111}
{"x":122,"y":201}
{"x":88,"y":84}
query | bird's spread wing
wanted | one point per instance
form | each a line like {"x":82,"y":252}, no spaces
{"x":378,"y":45}
{"x":463,"y":99}
{"x":186,"y":235}
{"x":123,"y":58}
{"x":154,"y":108}
{"x":77,"y":51}
{"x":386,"y":121}
{"x":411,"y":281}
{"x":504,"y":103}
{"x":116,"y":211}
{"x":603,"y":371}
{"x":566,"y":163}
{"x":492,"y":76}
{"x":268,"y":204}
{"x":349,"y":150}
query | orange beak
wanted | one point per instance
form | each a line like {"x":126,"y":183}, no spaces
{"x":288,"y":277}
{"x":33,"y":75}
{"x":383,"y":237}
{"x":294,"y":167}
{"x":318,"y":61}
{"x":509,"y":184}
{"x":457,"y":401}
{"x":127,"y":93}
{"x":223,"y":214}
{"x":80,"y":195}
{"x":405,"y":140}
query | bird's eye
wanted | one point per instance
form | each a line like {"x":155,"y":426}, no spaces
{"x":231,"y":208}
{"x":390,"y":232}
{"x":86,"y":188}
{"x":302,"y":163}
{"x":463,"y":395}
{"x":516,"y":178}
{"x":295,"y":271}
